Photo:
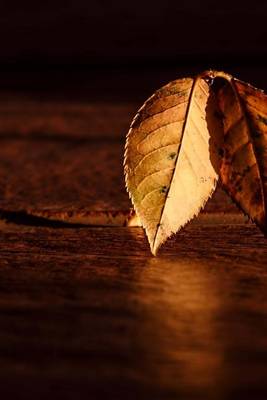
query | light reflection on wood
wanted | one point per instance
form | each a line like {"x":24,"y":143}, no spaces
{"x":180,"y":341}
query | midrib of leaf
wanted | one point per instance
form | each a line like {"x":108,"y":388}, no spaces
{"x":177,"y":157}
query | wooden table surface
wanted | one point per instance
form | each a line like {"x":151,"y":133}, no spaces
{"x":86,"y":311}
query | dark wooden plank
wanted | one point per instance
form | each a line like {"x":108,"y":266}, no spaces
{"x":69,"y":178}
{"x":89,"y":312}
{"x":39,"y":115}
{"x":62,"y":175}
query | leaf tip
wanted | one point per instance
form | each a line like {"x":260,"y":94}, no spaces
{"x":154,"y":250}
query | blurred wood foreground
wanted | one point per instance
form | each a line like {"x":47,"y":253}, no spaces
{"x":86,"y":311}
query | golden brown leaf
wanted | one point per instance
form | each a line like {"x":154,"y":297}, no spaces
{"x":170,"y":164}
{"x":244,"y":164}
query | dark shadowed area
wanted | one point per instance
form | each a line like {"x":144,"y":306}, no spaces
{"x":130,"y":48}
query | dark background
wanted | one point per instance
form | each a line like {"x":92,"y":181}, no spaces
{"x":126,"y":49}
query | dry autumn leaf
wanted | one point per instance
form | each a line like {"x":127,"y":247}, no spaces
{"x":169,"y":169}
{"x":244,"y":163}
{"x":172,"y":161}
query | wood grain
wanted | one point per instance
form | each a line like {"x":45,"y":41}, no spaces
{"x":87,"y":312}
{"x":29,"y":115}
{"x":66,"y":174}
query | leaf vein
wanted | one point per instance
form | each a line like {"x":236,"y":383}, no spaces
{"x":151,"y":174}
